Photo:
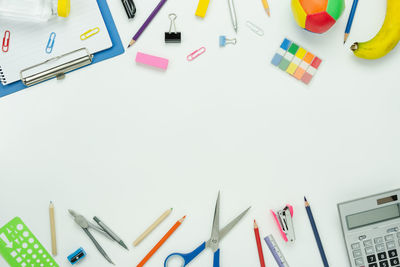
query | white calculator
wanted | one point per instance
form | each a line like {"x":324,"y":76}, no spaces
{"x":371,"y":229}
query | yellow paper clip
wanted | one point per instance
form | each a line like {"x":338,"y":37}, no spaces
{"x":90,"y":33}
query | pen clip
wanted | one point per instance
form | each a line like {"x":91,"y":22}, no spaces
{"x":196,"y":53}
{"x":6,"y":41}
{"x":50,"y":43}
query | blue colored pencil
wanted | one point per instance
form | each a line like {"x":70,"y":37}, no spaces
{"x":316,"y":234}
{"x":350,"y":21}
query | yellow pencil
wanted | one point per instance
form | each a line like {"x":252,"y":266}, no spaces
{"x":266,"y":7}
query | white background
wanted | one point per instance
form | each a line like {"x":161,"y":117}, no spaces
{"x":125,"y":142}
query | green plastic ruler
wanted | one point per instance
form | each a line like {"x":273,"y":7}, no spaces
{"x":20,"y":248}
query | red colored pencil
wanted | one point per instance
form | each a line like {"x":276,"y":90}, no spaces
{"x":259,"y":247}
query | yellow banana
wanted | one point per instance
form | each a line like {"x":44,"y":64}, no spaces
{"x":386,"y":39}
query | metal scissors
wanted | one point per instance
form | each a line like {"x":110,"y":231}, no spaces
{"x":85,"y":225}
{"x":213,"y":243}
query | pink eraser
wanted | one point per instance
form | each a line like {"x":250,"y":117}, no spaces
{"x":154,"y":61}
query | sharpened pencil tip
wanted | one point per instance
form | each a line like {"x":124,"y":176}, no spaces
{"x":305,"y":199}
{"x":346,"y":35}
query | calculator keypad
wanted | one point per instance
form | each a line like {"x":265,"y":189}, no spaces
{"x":379,"y":251}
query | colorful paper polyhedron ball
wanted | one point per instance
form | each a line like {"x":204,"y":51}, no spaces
{"x":317,"y":16}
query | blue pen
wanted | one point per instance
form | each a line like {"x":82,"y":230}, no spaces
{"x":316,"y":234}
{"x":350,"y":21}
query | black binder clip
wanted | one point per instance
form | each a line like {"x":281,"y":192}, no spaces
{"x":172,"y":36}
{"x":130,"y":8}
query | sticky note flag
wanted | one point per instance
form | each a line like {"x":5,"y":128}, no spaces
{"x":296,"y":61}
{"x":308,"y":58}
{"x":276,"y":60}
{"x":202,"y":8}
{"x":20,"y":248}
{"x":311,"y":70}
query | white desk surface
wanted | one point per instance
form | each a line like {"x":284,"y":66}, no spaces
{"x":125,"y":142}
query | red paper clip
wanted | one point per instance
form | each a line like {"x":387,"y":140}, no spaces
{"x":196,"y":53}
{"x":6,"y":41}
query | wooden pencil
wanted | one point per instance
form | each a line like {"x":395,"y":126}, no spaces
{"x":266,"y":7}
{"x":161,"y":242}
{"x":152,"y":227}
{"x":53,"y":230}
{"x":259,"y":246}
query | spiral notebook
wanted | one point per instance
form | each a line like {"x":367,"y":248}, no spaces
{"x":28,"y":41}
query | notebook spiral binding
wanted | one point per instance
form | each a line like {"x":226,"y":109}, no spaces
{"x":2,"y":77}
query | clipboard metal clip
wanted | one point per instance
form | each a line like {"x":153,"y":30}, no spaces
{"x":6,"y":41}
{"x":284,"y":220}
{"x":68,"y":62}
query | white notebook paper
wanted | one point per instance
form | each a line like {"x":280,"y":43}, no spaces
{"x":29,"y":40}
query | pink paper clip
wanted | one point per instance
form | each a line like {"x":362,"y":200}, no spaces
{"x":283,"y":219}
{"x":6,"y":41}
{"x":196,"y":53}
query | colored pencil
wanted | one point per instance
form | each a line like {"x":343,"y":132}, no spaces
{"x":266,"y":7}
{"x":259,"y":246}
{"x":350,"y":21}
{"x":147,"y":22}
{"x":152,"y":227}
{"x":53,"y":230}
{"x":316,"y":234}
{"x":161,"y":242}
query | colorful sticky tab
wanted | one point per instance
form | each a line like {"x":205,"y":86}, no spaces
{"x":296,"y":61}
{"x":202,"y":8}
{"x":276,"y":60}
{"x":311,"y":70}
{"x":158,"y":62}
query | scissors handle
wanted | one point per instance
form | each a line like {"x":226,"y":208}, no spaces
{"x":216,"y":259}
{"x":187,"y":258}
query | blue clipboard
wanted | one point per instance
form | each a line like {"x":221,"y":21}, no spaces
{"x":116,"y":49}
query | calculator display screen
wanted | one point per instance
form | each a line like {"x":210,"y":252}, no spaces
{"x":373,"y":216}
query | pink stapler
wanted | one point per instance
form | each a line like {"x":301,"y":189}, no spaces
{"x":284,"y":220}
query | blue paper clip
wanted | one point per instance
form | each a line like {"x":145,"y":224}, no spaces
{"x":77,"y":256}
{"x":50,"y":43}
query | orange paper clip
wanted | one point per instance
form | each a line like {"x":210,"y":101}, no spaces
{"x":196,"y":53}
{"x":6,"y":41}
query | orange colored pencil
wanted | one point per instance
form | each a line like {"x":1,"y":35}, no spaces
{"x":161,"y":242}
